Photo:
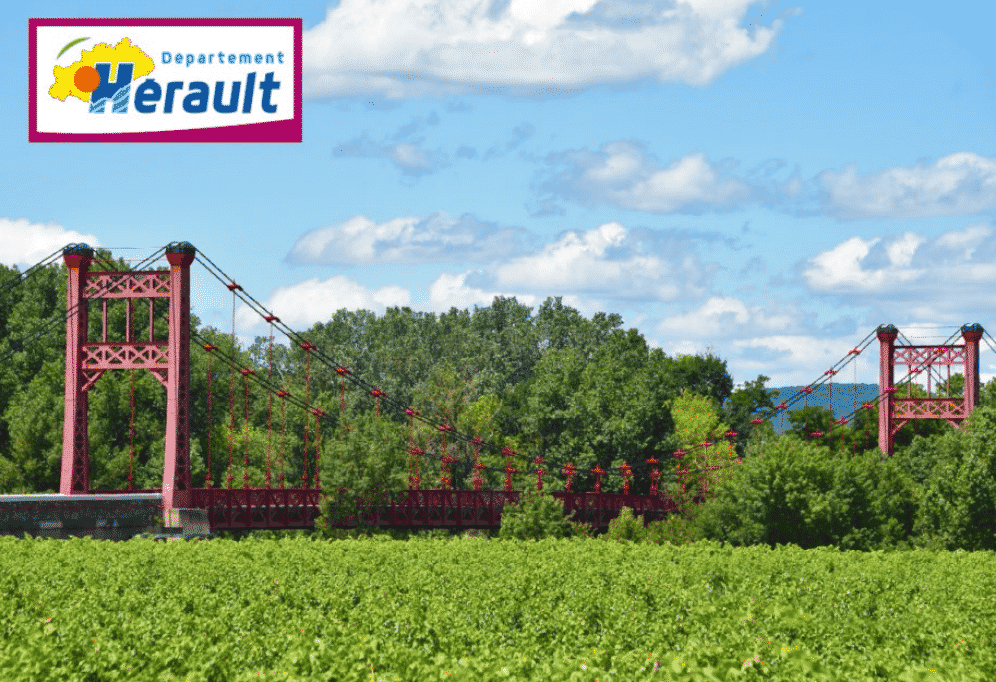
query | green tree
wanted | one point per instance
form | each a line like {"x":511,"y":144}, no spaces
{"x":536,"y":516}
{"x":32,"y":341}
{"x":550,"y":407}
{"x":800,"y":493}
{"x":746,"y":403}
{"x":606,"y":410}
{"x":697,"y":420}
{"x":701,"y":374}
{"x":959,"y":493}
{"x":626,"y":527}
{"x":365,"y":464}
{"x":809,"y":420}
{"x":621,"y":403}
{"x":483,"y":418}
{"x":560,"y":326}
{"x":509,"y":344}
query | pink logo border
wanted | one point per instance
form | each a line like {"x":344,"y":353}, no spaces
{"x":275,"y":131}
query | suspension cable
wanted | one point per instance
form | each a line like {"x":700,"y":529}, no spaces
{"x":44,"y":327}
{"x":22,"y":277}
{"x":330,"y":362}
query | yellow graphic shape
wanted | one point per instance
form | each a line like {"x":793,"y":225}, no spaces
{"x":102,"y":53}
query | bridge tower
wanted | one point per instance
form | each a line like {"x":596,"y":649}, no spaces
{"x":169,"y":361}
{"x":895,"y":411}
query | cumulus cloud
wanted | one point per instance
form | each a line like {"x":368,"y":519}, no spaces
{"x":843,"y":268}
{"x":303,"y":304}
{"x":958,"y":184}
{"x":798,"y":359}
{"x":966,"y":256}
{"x":403,"y":48}
{"x":434,"y":239}
{"x":451,"y":291}
{"x":609,"y":261}
{"x":621,"y":173}
{"x":27,"y":243}
{"x":597,"y":269}
{"x":752,"y":345}
{"x":783,"y":339}
{"x":910,"y":278}
{"x":723,"y":316}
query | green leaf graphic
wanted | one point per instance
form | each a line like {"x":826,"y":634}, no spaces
{"x":69,"y":45}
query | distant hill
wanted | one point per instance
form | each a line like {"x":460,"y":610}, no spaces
{"x":844,"y":399}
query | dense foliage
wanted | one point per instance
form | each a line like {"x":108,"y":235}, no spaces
{"x":473,"y":609}
{"x":548,"y":383}
{"x":536,"y":516}
{"x":799,"y":493}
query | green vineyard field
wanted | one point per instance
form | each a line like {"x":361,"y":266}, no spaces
{"x":478,"y":609}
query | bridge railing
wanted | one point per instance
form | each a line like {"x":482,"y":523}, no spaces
{"x":598,"y":509}
{"x":243,"y":508}
{"x":279,"y":508}
{"x":483,"y":508}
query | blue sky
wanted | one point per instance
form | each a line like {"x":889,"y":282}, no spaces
{"x":770,"y":180}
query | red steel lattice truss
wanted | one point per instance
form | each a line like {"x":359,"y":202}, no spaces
{"x":169,"y":361}
{"x":245,"y":508}
{"x":895,"y":412}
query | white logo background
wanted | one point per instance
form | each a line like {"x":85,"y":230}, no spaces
{"x":72,"y":116}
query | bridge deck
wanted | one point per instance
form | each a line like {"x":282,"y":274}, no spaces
{"x":261,"y":508}
{"x":288,"y":508}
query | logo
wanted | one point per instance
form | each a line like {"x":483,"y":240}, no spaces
{"x":103,"y":74}
{"x":165,"y":80}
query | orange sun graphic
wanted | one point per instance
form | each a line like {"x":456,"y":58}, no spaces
{"x":86,"y":79}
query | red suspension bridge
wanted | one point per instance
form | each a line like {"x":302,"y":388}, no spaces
{"x":281,"y":504}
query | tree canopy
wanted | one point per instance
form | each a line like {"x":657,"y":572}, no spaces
{"x":549,"y":383}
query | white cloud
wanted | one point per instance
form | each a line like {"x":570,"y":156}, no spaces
{"x":26,"y":243}
{"x":842,"y":267}
{"x":958,"y":260}
{"x":902,"y":250}
{"x":546,"y":15}
{"x":301,"y":305}
{"x":450,"y":291}
{"x":408,"y":155}
{"x":788,"y":359}
{"x":402,"y":48}
{"x":606,"y":260}
{"x":724,"y":317}
{"x":909,"y":279}
{"x":799,"y":359}
{"x":968,"y":239}
{"x":621,"y":173}
{"x":598,"y":269}
{"x":624,"y":174}
{"x":958,"y":184}
{"x":690,"y":180}
{"x":436,"y":238}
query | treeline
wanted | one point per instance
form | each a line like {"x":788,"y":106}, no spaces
{"x":548,"y":383}
{"x":936,"y":492}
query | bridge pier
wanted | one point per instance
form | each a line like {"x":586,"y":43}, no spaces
{"x":894,"y":412}
{"x":169,"y":361}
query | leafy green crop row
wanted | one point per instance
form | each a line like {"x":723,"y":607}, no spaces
{"x":474,"y":609}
